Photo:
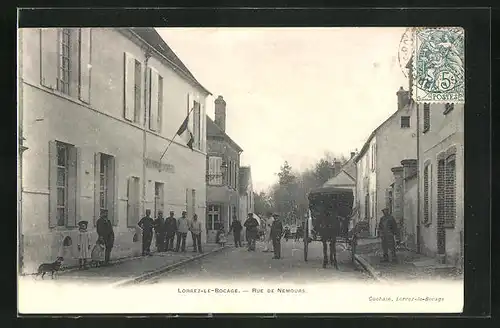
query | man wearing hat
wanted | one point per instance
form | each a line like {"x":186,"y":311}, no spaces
{"x":276,"y":234}
{"x":182,"y":230}
{"x":146,"y":224}
{"x":387,"y":230}
{"x":105,"y":231}
{"x":170,"y":230}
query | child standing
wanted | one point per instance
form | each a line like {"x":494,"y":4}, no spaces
{"x":98,"y":252}
{"x":222,"y":236}
{"x":83,"y":244}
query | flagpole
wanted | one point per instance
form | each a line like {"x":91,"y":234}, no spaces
{"x":172,"y":139}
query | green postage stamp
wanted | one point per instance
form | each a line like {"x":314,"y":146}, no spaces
{"x":438,"y":65}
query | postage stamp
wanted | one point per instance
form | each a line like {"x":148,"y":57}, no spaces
{"x":438,"y":65}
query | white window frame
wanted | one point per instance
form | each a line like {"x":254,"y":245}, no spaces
{"x":64,"y":187}
{"x":63,"y":72}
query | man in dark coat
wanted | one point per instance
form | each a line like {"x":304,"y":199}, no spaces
{"x":170,"y":230}
{"x":387,"y":230}
{"x":105,"y":231}
{"x":159,"y":226}
{"x":252,"y":226}
{"x":146,"y":224}
{"x":236,"y":229}
{"x":276,"y":234}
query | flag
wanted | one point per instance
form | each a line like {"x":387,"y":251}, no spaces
{"x":182,"y":129}
{"x":183,"y":126}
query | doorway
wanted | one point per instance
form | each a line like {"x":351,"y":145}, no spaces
{"x":213,"y":222}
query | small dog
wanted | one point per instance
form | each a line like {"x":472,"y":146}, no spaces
{"x":53,"y":267}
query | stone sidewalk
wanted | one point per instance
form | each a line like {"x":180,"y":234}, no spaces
{"x":131,"y":268}
{"x":410,"y":266}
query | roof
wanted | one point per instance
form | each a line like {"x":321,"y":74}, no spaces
{"x":372,"y":135}
{"x":151,"y":37}
{"x":213,"y":130}
{"x":340,"y":180}
{"x":245,"y":176}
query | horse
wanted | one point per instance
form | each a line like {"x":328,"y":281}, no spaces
{"x":328,"y":227}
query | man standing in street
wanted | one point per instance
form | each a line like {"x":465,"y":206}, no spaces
{"x":251,"y":224}
{"x":267,"y":236}
{"x":159,"y":226}
{"x":236,"y":229}
{"x":170,"y":231}
{"x":146,"y":224}
{"x":276,"y":234}
{"x":387,"y":230}
{"x":195,"y":228}
{"x":105,"y":231}
{"x":182,"y":230}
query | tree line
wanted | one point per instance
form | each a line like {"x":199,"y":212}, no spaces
{"x":288,"y":196}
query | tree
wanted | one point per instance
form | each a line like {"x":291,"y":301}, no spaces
{"x":326,"y":167}
{"x":262,"y":203}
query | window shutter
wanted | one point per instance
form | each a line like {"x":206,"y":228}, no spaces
{"x":52,"y":184}
{"x":440,"y":193}
{"x":188,"y":113}
{"x":153,"y":96}
{"x":85,"y":63}
{"x":72,"y":187}
{"x":97,"y":186}
{"x":112,"y":200}
{"x":130,"y":202}
{"x":450,"y":192}
{"x":160,"y":103}
{"x":427,"y":117}
{"x":129,"y":87}
{"x":426,"y":194}
{"x":193,"y":200}
{"x":48,"y":57}
{"x":188,"y":203}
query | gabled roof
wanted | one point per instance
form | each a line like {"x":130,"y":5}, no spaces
{"x":372,"y":135}
{"x":151,"y":36}
{"x":245,"y":177}
{"x":341,"y":179}
{"x":213,"y":130}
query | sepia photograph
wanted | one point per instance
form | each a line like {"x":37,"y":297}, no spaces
{"x":241,"y":170}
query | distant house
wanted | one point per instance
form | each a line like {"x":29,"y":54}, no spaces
{"x":223,"y":156}
{"x":388,"y":144}
{"x":246,"y":193}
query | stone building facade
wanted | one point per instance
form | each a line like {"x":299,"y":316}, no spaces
{"x":223,"y":163}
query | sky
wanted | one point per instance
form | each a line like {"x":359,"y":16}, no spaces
{"x":293,"y":93}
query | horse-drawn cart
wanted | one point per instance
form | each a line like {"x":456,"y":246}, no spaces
{"x":329,"y":207}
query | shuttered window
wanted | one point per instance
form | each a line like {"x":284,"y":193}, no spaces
{"x":427,"y":118}
{"x":214,"y":170}
{"x":159,"y":198}
{"x":49,"y":57}
{"x":427,"y":198}
{"x":105,"y":186}
{"x":450,"y":211}
{"x":440,"y":192}
{"x":132,"y":88}
{"x":154,"y":98}
{"x":63,"y":184}
{"x":64,"y":39}
{"x":85,"y":65}
{"x":367,"y":206}
{"x":133,"y":201}
{"x":197,"y":125}
{"x":405,"y":121}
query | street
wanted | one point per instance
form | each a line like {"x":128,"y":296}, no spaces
{"x":238,"y":264}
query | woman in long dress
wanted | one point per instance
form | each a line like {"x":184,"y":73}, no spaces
{"x":84,"y":252}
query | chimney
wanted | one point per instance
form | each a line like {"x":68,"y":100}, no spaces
{"x":220,"y":113}
{"x":403,"y":98}
{"x":353,"y":154}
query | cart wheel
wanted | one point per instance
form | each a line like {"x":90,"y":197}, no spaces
{"x":306,"y":241}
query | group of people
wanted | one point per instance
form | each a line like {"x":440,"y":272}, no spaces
{"x":167,"y":229}
{"x":273,"y":233}
{"x":101,"y":251}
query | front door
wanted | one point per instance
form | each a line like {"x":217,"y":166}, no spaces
{"x":213,"y":222}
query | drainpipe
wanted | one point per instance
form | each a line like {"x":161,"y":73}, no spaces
{"x":418,"y":180}
{"x":147,"y":55}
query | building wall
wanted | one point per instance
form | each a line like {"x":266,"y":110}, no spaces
{"x":366,"y":183}
{"x":100,"y":127}
{"x":224,"y":195}
{"x":410,"y":211}
{"x":393,"y":145}
{"x":445,"y":134}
